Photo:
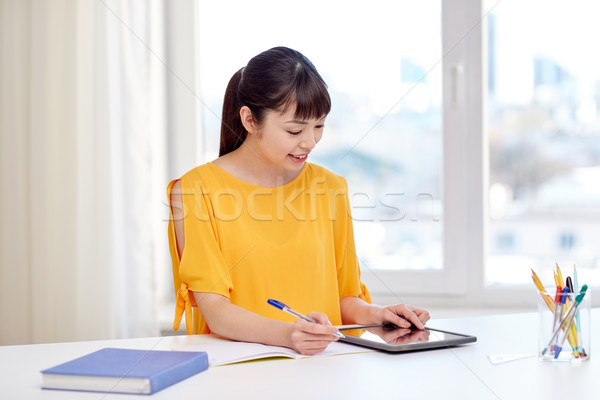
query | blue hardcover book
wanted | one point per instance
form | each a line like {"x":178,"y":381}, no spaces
{"x":113,"y":370}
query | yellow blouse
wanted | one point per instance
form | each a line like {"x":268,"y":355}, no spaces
{"x":292,"y":243}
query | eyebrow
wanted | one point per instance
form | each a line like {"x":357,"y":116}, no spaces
{"x":296,"y":121}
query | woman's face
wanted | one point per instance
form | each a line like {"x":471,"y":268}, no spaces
{"x":285,"y":141}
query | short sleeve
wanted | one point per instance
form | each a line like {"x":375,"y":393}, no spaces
{"x":348,"y":269}
{"x":202,"y":267}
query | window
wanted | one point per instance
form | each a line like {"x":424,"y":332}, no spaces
{"x":544,"y":131}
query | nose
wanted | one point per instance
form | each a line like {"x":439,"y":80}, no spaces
{"x":310,"y":139}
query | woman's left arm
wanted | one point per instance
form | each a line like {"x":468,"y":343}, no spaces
{"x":357,"y":311}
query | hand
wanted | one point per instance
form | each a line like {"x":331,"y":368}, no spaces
{"x":403,"y":316}
{"x":310,"y":338}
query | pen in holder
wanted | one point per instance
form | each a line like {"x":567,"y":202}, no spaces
{"x":564,"y":325}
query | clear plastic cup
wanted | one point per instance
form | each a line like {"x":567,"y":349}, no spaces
{"x":564,"y":337}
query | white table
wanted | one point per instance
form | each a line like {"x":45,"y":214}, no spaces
{"x":458,"y":373}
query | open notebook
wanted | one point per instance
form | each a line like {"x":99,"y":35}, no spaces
{"x":225,"y":352}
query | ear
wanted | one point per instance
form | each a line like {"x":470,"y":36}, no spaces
{"x":247,"y":119}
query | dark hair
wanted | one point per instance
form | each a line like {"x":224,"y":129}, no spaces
{"x":273,"y":80}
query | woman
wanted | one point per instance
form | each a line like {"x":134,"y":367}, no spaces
{"x":261,"y":222}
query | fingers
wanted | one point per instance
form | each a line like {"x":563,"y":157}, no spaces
{"x":422,"y":314}
{"x":321,"y":329}
{"x":319,"y":317}
{"x":310,"y":338}
{"x":311,"y":348}
{"x":404,"y":315}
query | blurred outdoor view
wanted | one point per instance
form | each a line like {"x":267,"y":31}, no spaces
{"x":544,"y":133}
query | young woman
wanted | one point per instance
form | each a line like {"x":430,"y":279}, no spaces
{"x":261,"y":222}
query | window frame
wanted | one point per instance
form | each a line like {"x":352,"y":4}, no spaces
{"x":464,"y":167}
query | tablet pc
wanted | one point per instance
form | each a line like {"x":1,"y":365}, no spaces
{"x":394,"y":339}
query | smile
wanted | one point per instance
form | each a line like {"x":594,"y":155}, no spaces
{"x":299,"y":158}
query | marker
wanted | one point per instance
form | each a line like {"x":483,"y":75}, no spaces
{"x":568,"y":320}
{"x":571,"y":289}
{"x":283,"y":307}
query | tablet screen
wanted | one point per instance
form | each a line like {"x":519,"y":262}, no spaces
{"x":391,"y":338}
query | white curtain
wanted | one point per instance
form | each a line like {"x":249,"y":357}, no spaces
{"x":84,"y":166}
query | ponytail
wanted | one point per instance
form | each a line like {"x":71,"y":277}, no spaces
{"x":233,"y":132}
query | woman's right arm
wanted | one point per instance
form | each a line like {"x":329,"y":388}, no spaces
{"x":234,"y":322}
{"x":237,"y":323}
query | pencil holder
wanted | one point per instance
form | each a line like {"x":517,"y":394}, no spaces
{"x":564,"y":326}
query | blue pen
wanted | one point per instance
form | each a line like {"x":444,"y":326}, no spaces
{"x":283,"y":307}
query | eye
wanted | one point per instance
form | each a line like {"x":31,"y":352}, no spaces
{"x":320,"y":126}
{"x":294,"y":133}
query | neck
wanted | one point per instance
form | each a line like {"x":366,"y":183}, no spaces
{"x":247,"y":164}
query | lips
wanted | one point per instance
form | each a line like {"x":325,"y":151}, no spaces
{"x":298,"y":158}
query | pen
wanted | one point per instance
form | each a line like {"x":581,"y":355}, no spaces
{"x":559,"y":301}
{"x":283,"y":307}
{"x":570,"y":284}
{"x":568,"y":320}
{"x":573,"y":329}
{"x":577,"y":319}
